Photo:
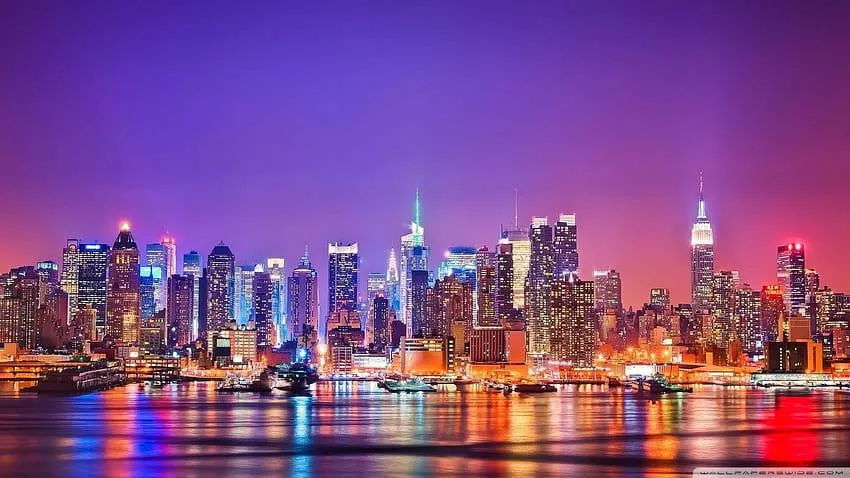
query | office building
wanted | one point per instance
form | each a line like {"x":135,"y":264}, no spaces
{"x":233,"y":346}
{"x":449,"y":301}
{"x":169,"y":252}
{"x":428,"y":355}
{"x":791,"y":276}
{"x":123,"y":292}
{"x":302,"y":300}
{"x":414,"y":257}
{"x":19,"y":305}
{"x":91,"y":282}
{"x":391,"y":291}
{"x":772,"y":306}
{"x":459,"y":261}
{"x":244,"y":287}
{"x":565,"y":245}
{"x":274,"y":266}
{"x":659,"y":298}
{"x":747,"y":325}
{"x":181,"y":300}
{"x":541,"y":272}
{"x":521,"y":261}
{"x":150,"y":280}
{"x":609,"y":291}
{"x":70,"y":273}
{"x":723,"y":308}
{"x":485,"y":289}
{"x":573,"y":322}
{"x":155,"y":256}
{"x":343,"y":265}
{"x":418,"y":294}
{"x":263,"y":298}
{"x":192,"y":266}
{"x":378,"y":328}
{"x":504,"y":303}
{"x":220,"y":288}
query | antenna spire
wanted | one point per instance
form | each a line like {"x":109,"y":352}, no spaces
{"x":416,"y":215}
{"x":516,"y":210}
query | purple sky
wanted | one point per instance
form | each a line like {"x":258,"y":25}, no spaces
{"x":271,"y":125}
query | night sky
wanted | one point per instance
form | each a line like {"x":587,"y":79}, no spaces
{"x":271,"y":125}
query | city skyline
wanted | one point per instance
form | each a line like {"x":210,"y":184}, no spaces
{"x":612,"y":126}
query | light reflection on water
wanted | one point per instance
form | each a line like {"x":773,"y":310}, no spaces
{"x":354,"y":429}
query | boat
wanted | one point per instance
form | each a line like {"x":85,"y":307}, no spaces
{"x":238,"y":383}
{"x":614,"y":382}
{"x":659,"y":384}
{"x":294,"y":377}
{"x":534,"y":387}
{"x":412,"y":384}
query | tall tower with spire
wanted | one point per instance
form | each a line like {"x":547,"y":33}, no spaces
{"x":520,"y":254}
{"x":414,"y":256}
{"x":392,"y":282}
{"x":303,"y":300}
{"x":702,"y":256}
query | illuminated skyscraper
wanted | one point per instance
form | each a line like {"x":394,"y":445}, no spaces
{"x":447,"y":303}
{"x":91,"y":282}
{"x":274,"y":267}
{"x":608,"y":291}
{"x":702,"y":257}
{"x":521,"y":257}
{"x":573,"y":321}
{"x":155,"y":257}
{"x":379,"y":326}
{"x":221,"y":291}
{"x":70,"y":273}
{"x":791,"y":275}
{"x":459,"y":261}
{"x":485,"y":288}
{"x":343,"y":265}
{"x":772,"y":306}
{"x":181,"y":291}
{"x":538,"y":285}
{"x":244,"y":286}
{"x":19,"y":306}
{"x":192,"y":266}
{"x":504,"y":282}
{"x":723,"y":308}
{"x":418,"y":295}
{"x":169,"y":252}
{"x":414,"y":257}
{"x":566,"y":246}
{"x":391,"y":292}
{"x":659,"y":299}
{"x":302,"y":300}
{"x":150,"y":279}
{"x":747,"y":326}
{"x":376,"y":284}
{"x":263,"y":297}
{"x":122,"y":296}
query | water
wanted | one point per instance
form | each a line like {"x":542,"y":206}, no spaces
{"x":355,"y":429}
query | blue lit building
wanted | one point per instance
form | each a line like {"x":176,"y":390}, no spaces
{"x":91,"y":281}
{"x":150,"y":281}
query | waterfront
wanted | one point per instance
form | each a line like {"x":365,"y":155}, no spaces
{"x":357,"y":429}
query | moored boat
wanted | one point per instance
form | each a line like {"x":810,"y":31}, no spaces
{"x":412,"y":384}
{"x":534,"y":387}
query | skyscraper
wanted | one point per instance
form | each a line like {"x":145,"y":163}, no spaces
{"x":19,"y":306}
{"x":122,"y":296}
{"x":772,"y":306}
{"x":376,"y":284}
{"x":659,"y":298}
{"x":521,"y":258}
{"x":221,"y":271}
{"x":70,"y":273}
{"x":192,"y":266}
{"x":91,"y":282}
{"x":447,"y":303}
{"x":155,"y":257}
{"x":302,"y":300}
{"x":244,"y":287}
{"x":150,"y":279}
{"x":169,"y":251}
{"x":391,"y":292}
{"x":263,"y":297}
{"x":566,"y":246}
{"x":418,"y":295}
{"x":541,"y":272}
{"x":573,"y":322}
{"x":748,"y":319}
{"x":702,"y":257}
{"x":504,"y":282}
{"x":723,"y":308}
{"x":608,"y":291}
{"x":791,"y":275}
{"x":181,"y":300}
{"x":379,"y":328}
{"x":414,"y":257}
{"x":274,"y":266}
{"x":459,"y":261}
{"x":485,"y":289}
{"x":343,"y":265}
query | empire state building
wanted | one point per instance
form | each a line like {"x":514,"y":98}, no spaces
{"x":702,"y":257}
